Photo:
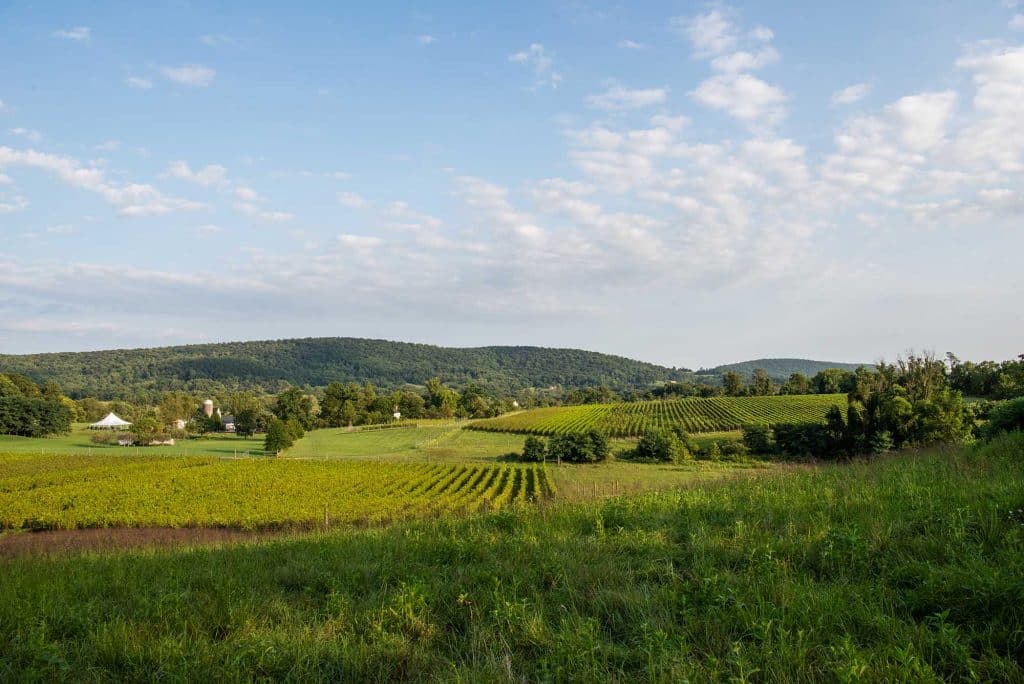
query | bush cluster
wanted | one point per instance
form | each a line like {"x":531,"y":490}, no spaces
{"x":582,"y":447}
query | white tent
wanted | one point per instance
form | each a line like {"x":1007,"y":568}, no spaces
{"x":110,"y":422}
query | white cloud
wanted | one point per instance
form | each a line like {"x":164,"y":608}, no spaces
{"x":630,"y":45}
{"x":139,"y":82}
{"x":762,"y":34}
{"x":352,"y":200}
{"x":851,"y":93}
{"x":710,"y":34}
{"x":247,"y":194}
{"x":995,"y":134}
{"x":922,"y":119}
{"x":216,"y":39}
{"x":1017,"y":23}
{"x":541,"y":62}
{"x":132,"y":199}
{"x":492,"y":201}
{"x":195,"y":75}
{"x":426,"y":39}
{"x":210,"y":176}
{"x":742,"y":96}
{"x":745,"y":61}
{"x":5,"y":179}
{"x":78,"y":33}
{"x":359,"y":241}
{"x":108,"y":146}
{"x":619,"y":98}
{"x":4,"y":107}
{"x":28,"y":134}
{"x":16,"y":203}
{"x":253,"y":211}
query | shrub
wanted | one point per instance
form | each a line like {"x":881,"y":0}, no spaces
{"x":1006,"y":416}
{"x":733,"y":450}
{"x":587,"y":447}
{"x":802,"y":439}
{"x":659,"y":445}
{"x":535,"y":449}
{"x":758,"y":438}
{"x":104,"y":437}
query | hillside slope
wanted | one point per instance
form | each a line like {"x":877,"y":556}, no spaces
{"x":780,"y":369}
{"x":269,"y":365}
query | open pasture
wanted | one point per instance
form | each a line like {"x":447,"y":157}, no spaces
{"x":68,"y":492}
{"x":691,"y":414}
{"x":904,"y":568}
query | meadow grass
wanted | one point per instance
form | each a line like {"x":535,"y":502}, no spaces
{"x":906,"y":568}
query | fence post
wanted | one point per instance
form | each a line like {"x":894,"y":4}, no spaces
{"x":327,"y":522}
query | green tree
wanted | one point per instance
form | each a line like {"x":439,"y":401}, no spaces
{"x":278,"y":438}
{"x":832,"y":381}
{"x":24,"y":385}
{"x":332,"y":407}
{"x":249,"y":420}
{"x":535,"y":449}
{"x":294,"y":404}
{"x":175,"y":406}
{"x":798,"y":383}
{"x":732,"y":383}
{"x":760,"y":383}
{"x":441,"y":400}
{"x":8,"y":388}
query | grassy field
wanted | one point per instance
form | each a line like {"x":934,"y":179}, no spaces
{"x":691,"y":414}
{"x":75,"y":491}
{"x":79,"y":441}
{"x":907,"y":568}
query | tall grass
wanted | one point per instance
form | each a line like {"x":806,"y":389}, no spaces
{"x":907,"y":568}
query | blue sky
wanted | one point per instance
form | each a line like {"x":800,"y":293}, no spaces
{"x":686,"y":183}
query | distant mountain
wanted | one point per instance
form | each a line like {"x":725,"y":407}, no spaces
{"x":780,"y":369}
{"x":271,"y":365}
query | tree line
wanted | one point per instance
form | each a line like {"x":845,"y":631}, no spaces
{"x":31,"y":410}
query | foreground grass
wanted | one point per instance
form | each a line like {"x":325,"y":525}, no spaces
{"x":909,"y":568}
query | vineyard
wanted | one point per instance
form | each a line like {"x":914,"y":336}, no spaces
{"x":692,"y":414}
{"x":68,"y":492}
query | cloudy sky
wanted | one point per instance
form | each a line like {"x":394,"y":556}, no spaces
{"x":685,"y":183}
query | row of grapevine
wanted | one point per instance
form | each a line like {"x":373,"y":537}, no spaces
{"x":711,"y":414}
{"x":64,"y":492}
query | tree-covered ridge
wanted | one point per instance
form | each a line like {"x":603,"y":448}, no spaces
{"x":781,"y":369}
{"x":272,"y":365}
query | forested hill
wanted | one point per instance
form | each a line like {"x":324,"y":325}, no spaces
{"x":270,"y":365}
{"x":780,"y":369}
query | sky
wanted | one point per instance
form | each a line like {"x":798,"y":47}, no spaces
{"x":684,"y":183}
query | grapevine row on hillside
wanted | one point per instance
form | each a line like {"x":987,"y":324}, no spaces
{"x":691,"y":414}
{"x":65,"y":492}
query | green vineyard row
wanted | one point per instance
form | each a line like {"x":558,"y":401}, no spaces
{"x":692,"y":414}
{"x":68,"y":492}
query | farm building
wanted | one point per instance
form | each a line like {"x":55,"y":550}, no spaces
{"x":228,"y":422}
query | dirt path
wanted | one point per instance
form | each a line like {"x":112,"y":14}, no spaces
{"x":68,"y":542}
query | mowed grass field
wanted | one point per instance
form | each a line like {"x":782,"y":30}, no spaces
{"x":79,"y":441}
{"x":903,"y":568}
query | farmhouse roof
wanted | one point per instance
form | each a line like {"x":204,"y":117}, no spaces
{"x":110,"y":421}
